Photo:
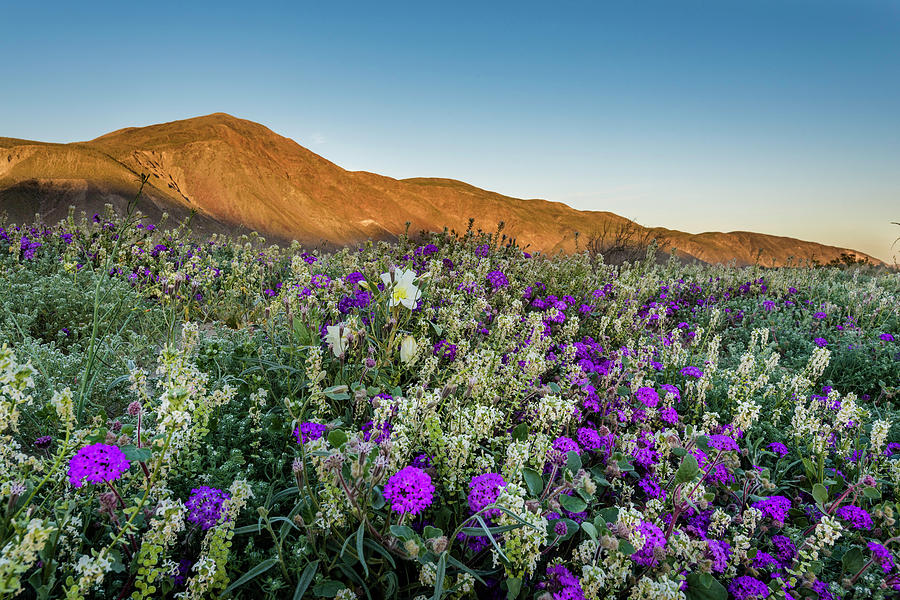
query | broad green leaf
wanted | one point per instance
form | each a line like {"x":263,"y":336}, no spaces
{"x":513,"y":587}
{"x":572,"y":503}
{"x":704,"y":588}
{"x":337,"y":438}
{"x":687,"y":470}
{"x":853,"y":560}
{"x":403,"y":532}
{"x":520,"y":433}
{"x":589,"y":529}
{"x":820,"y":494}
{"x":573,"y":461}
{"x":534,"y":481}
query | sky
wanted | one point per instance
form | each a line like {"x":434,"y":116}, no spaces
{"x":779,"y":116}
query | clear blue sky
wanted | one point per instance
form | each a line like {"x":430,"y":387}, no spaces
{"x":777,"y":116}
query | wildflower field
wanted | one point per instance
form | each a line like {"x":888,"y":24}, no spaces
{"x":450,"y":417}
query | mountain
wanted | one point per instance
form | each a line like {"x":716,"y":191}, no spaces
{"x":238,"y":175}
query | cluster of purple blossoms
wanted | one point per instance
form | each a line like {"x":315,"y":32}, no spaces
{"x":784,"y":548}
{"x":98,"y":463}
{"x":723,"y":442}
{"x":820,"y":342}
{"x":748,"y":588}
{"x":774,"y":507}
{"x":309,"y":431}
{"x":29,"y":247}
{"x":668,"y":388}
{"x":561,"y":447}
{"x":858,"y":517}
{"x":779,"y":449}
{"x":484,"y":491}
{"x":882,"y":557}
{"x":719,"y":552}
{"x":692,"y":371}
{"x":886,"y":337}
{"x":446,"y":350}
{"x":653,"y":539}
{"x":43,"y":442}
{"x":377,"y":435}
{"x":497,"y":279}
{"x":647,"y":396}
{"x":409,"y":491}
{"x":205,"y":505}
{"x":562,"y":584}
{"x":589,"y":439}
{"x":359,"y":299}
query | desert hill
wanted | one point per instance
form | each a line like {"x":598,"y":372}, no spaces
{"x":238,"y":175}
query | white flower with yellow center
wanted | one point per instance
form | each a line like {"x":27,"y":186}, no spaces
{"x":402,"y":288}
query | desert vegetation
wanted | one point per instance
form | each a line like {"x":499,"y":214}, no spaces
{"x":198,"y":417}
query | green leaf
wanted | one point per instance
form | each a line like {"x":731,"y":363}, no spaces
{"x":135,"y":454}
{"x":626,"y":548}
{"x":589,"y":529}
{"x":513,"y":587}
{"x":305,"y":579}
{"x":872,"y":493}
{"x":572,"y":503}
{"x":430,"y":532}
{"x":377,"y":498}
{"x":704,"y":588}
{"x":820,"y":494}
{"x":252,"y":573}
{"x":359,"y":547}
{"x":573,"y":461}
{"x":687,"y":470}
{"x":679,"y":451}
{"x":403,"y":532}
{"x":534,"y":481}
{"x":328,"y":588}
{"x":520,"y":433}
{"x":439,"y":577}
{"x":853,"y":560}
{"x":337,"y":438}
{"x":337,"y":392}
{"x":608,"y":515}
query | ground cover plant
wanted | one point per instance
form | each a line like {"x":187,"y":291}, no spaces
{"x":448,"y":417}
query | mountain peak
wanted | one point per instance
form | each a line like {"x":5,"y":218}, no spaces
{"x":236,"y":174}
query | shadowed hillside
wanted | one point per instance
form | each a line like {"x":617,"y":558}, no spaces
{"x":237,"y":174}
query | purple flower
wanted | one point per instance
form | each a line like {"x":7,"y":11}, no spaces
{"x":589,"y":438}
{"x":723,"y":442}
{"x":409,"y":491}
{"x":748,"y":588}
{"x":97,"y":463}
{"x":784,"y":548}
{"x":886,"y":337}
{"x":819,"y":315}
{"x":43,"y":442}
{"x":669,"y":415}
{"x":820,"y":342}
{"x":204,"y":506}
{"x":561,"y":448}
{"x":483,"y":491}
{"x":858,"y":517}
{"x":444,"y":349}
{"x":774,"y":507}
{"x":653,"y":539}
{"x":647,"y":396}
{"x":882,"y":557}
{"x":562,"y":584}
{"x":497,"y":279}
{"x":779,"y":449}
{"x":671,"y":389}
{"x":719,"y":552}
{"x":691,"y":371}
{"x":308,"y":432}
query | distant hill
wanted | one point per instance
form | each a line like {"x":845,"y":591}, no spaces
{"x":238,"y":175}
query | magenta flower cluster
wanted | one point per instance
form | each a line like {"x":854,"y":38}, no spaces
{"x":97,"y":463}
{"x":484,"y":491}
{"x":409,"y":491}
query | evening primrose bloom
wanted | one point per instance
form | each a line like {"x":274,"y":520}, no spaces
{"x":402,"y":287}
{"x":338,"y":338}
{"x":407,"y":349}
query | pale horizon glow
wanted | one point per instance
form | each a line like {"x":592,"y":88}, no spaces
{"x":779,"y":117}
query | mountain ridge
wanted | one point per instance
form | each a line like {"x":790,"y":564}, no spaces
{"x":239,"y":175}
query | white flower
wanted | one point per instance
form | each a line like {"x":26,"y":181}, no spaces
{"x":403,"y":290}
{"x":337,"y":338}
{"x":407,"y":349}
